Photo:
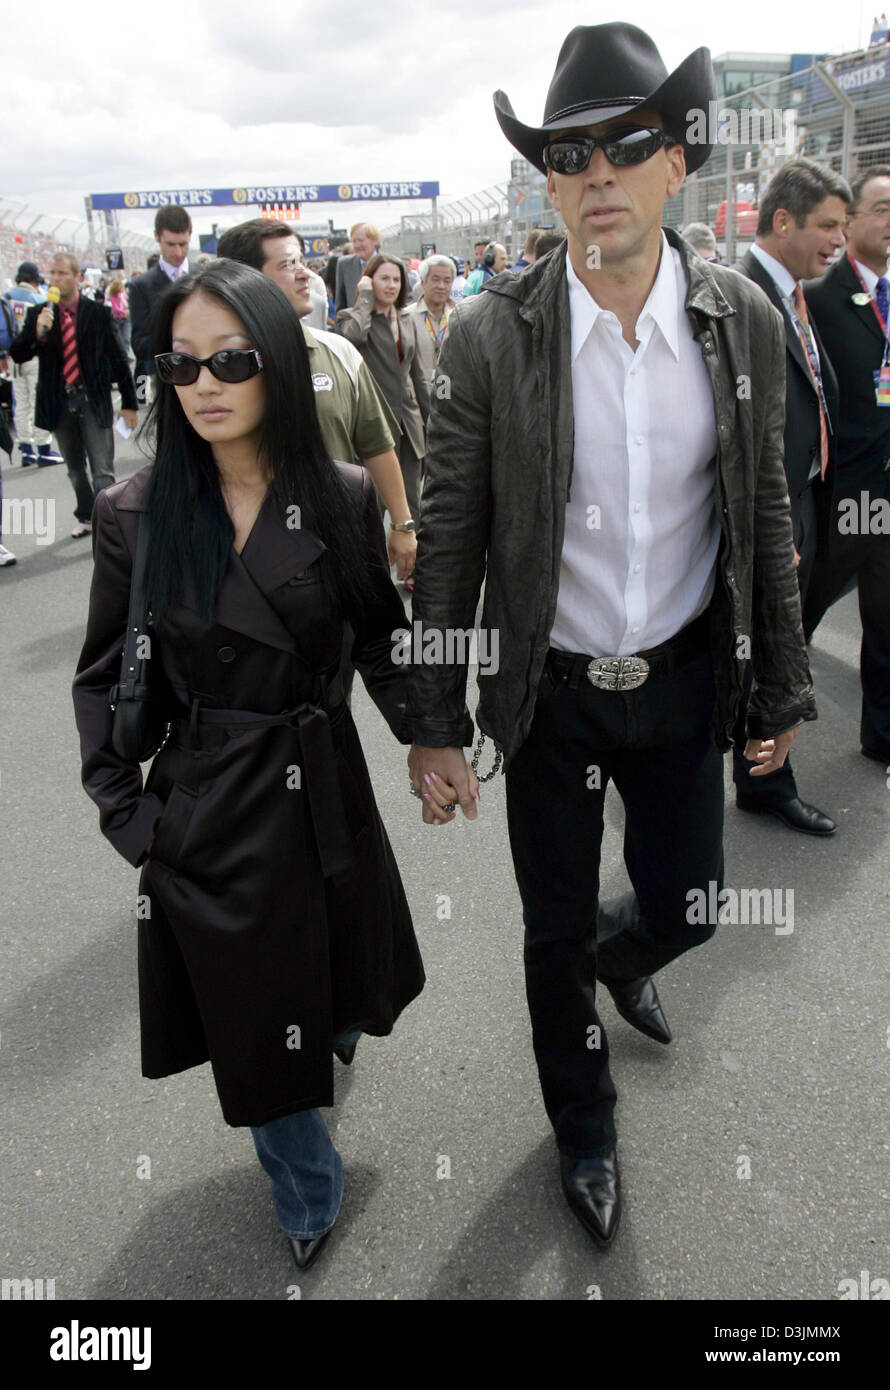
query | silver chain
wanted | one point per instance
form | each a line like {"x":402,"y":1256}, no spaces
{"x":495,"y":767}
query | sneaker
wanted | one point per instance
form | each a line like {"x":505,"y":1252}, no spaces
{"x":28,"y":454}
{"x":46,"y":455}
{"x":81,"y":528}
{"x":6,"y":556}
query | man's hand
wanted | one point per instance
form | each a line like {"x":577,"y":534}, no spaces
{"x":402,"y":550}
{"x":44,"y":321}
{"x":131,"y":418}
{"x":770,"y":753}
{"x":443,"y":775}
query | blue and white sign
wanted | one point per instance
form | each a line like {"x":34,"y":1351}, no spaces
{"x":250,"y":194}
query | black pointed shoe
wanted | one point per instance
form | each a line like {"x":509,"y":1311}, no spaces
{"x":593,"y":1191}
{"x":638,"y":1003}
{"x":345,"y":1052}
{"x":306,"y":1252}
{"x":797,"y":814}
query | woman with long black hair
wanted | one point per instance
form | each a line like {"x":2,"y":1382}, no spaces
{"x":273,"y":924}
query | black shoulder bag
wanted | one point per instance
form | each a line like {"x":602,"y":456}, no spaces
{"x":140,"y":723}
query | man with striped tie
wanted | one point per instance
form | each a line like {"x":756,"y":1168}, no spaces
{"x":80,"y":355}
{"x":800,"y":230}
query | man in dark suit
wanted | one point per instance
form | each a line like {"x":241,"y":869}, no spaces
{"x":350,"y":269}
{"x":850,"y":306}
{"x":173,"y":230}
{"x":80,"y":354}
{"x":800,"y":229}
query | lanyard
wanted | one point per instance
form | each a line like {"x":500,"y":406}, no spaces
{"x":809,"y":341}
{"x":436,"y":336}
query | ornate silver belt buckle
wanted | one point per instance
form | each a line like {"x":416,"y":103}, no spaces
{"x":618,"y":672}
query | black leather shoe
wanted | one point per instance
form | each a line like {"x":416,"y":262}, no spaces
{"x":306,"y":1252}
{"x":345,"y":1054}
{"x":875,"y":756}
{"x":593,"y":1191}
{"x":797,"y":814}
{"x":637,"y":1001}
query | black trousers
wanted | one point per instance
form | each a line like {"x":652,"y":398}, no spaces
{"x":777,"y":786}
{"x":865,"y":558}
{"x":656,"y":744}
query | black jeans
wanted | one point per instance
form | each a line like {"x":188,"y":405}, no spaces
{"x":656,"y":744}
{"x":81,"y":437}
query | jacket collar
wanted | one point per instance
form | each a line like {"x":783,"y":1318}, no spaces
{"x":535,"y":288}
{"x":273,"y":553}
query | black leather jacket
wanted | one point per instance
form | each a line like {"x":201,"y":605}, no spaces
{"x":498,"y":473}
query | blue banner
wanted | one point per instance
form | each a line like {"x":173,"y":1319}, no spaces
{"x":249,"y":195}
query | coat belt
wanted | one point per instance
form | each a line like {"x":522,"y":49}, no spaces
{"x":319,"y":764}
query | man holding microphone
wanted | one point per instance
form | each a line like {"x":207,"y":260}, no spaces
{"x":80,"y":355}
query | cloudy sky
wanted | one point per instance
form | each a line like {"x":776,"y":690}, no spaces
{"x":102,"y":97}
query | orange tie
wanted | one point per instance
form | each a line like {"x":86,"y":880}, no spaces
{"x":800,"y":308}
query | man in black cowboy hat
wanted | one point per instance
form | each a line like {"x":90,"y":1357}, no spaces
{"x":608,"y":454}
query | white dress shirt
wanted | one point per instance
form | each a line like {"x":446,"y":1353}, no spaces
{"x":871,"y":280}
{"x":642,"y":567}
{"x":173,"y":272}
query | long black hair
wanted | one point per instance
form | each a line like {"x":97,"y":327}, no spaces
{"x":191,"y":530}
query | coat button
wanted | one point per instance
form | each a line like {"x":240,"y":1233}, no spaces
{"x":226,"y":654}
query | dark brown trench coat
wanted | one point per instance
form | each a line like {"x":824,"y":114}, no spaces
{"x":277,"y":916}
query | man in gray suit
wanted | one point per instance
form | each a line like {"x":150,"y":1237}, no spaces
{"x":350,"y":269}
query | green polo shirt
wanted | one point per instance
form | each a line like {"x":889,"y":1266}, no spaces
{"x":355,"y":420}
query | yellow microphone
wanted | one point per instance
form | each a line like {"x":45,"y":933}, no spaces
{"x":53,"y":296}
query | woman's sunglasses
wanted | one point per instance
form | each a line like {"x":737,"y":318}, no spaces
{"x":231,"y":364}
{"x":622,"y":146}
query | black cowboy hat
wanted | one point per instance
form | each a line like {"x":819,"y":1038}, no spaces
{"x":607,"y":70}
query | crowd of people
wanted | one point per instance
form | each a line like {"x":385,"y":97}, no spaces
{"x":637,"y":459}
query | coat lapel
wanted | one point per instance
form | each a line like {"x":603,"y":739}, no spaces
{"x":756,"y":272}
{"x":273,"y":553}
{"x":864,"y":313}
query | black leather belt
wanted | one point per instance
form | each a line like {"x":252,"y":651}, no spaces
{"x":73,"y":390}
{"x":628,"y":672}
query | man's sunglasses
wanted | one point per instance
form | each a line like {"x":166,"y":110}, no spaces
{"x":623,"y":146}
{"x":231,"y":364}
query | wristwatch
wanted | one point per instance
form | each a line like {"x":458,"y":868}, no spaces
{"x":402,"y":526}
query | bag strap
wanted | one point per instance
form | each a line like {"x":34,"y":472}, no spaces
{"x":137,"y":617}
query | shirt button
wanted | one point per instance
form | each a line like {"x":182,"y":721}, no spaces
{"x":226,"y":654}
{"x":635,"y":629}
{"x":639,"y":439}
{"x":636,"y":506}
{"x":636,"y":571}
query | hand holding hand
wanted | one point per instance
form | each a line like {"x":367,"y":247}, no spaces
{"x":442,"y":777}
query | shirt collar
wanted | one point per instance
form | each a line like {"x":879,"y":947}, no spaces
{"x":868,"y":275}
{"x":776,"y":270}
{"x":173,"y":272}
{"x":660,"y":310}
